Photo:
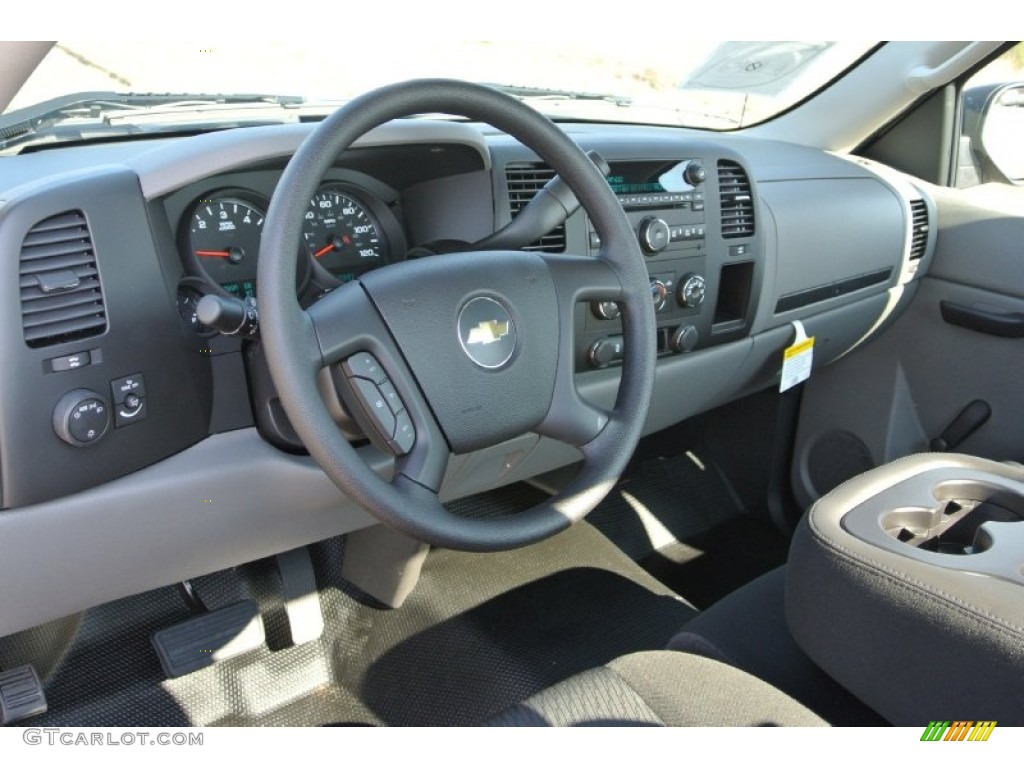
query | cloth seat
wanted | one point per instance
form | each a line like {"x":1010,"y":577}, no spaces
{"x":660,"y":688}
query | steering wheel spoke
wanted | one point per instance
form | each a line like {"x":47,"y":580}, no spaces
{"x":345,"y":322}
{"x":577,"y":279}
{"x":375,"y":383}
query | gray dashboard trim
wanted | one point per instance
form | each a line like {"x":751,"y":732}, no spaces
{"x":175,"y":164}
{"x":229,"y":499}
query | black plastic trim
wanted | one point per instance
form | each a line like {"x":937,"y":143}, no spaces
{"x":820,"y":293}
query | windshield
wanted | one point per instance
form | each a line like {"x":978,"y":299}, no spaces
{"x":713,"y":85}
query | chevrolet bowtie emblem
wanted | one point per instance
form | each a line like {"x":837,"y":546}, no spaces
{"x":488,"y":332}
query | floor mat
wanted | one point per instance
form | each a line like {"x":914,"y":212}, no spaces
{"x":479,"y":633}
{"x":483,"y":631}
{"x":679,"y":518}
{"x":712,"y":563}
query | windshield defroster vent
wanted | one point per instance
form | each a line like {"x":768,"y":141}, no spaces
{"x":918,"y":229}
{"x":525,"y":180}
{"x":737,"y":200}
{"x":61,"y":296}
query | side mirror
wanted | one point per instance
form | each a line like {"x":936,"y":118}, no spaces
{"x":992,"y":138}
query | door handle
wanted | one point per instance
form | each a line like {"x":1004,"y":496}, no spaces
{"x":1009,"y":325}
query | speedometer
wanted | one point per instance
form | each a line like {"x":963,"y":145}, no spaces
{"x":342,"y":235}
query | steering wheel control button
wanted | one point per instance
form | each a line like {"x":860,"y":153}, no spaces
{"x":391,"y":396}
{"x":405,"y":434}
{"x":70,"y":362}
{"x":487,"y":333}
{"x":375,"y":405}
{"x":129,"y":385}
{"x":81,"y":418}
{"x":365,"y":366}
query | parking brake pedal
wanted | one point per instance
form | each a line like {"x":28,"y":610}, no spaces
{"x":21,"y":694}
{"x":208,"y":638}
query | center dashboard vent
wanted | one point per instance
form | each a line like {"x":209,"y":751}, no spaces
{"x":737,"y":200}
{"x":61,"y":295}
{"x":525,"y":180}
{"x":918,"y":229}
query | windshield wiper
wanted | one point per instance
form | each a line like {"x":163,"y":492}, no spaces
{"x":531,"y":93}
{"x":93,"y":109}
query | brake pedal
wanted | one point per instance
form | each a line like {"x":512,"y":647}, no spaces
{"x":210,"y":637}
{"x":301,"y":600}
{"x":21,"y":694}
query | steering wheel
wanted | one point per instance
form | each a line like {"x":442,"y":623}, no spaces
{"x":478,"y":347}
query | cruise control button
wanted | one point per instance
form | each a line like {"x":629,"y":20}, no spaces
{"x":375,"y":405}
{"x":391,"y":396}
{"x":365,"y":366}
{"x":405,"y":434}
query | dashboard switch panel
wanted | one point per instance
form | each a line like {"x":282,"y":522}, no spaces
{"x":70,"y":362}
{"x":129,"y":395}
{"x":128,"y":385}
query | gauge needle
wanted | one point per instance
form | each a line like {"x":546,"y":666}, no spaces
{"x":214,"y":254}
{"x":323,"y":251}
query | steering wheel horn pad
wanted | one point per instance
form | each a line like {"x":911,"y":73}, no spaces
{"x":428,"y":322}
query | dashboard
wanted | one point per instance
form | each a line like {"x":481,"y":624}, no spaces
{"x":124,"y":419}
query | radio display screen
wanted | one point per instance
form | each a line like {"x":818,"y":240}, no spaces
{"x":648,"y":177}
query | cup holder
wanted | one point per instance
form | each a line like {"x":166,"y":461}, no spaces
{"x":954,"y":525}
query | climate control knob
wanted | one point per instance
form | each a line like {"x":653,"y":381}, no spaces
{"x":691,"y":291}
{"x":81,"y":418}
{"x":684,"y":339}
{"x":605,"y":351}
{"x":653,"y":235}
{"x":659,"y":294}
{"x":605,"y":310}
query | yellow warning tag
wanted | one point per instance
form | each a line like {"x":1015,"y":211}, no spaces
{"x":799,"y":348}
{"x":797,"y":359}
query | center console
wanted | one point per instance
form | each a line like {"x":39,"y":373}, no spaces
{"x":906,"y":585}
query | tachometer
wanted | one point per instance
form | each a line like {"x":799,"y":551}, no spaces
{"x":342,"y":235}
{"x":224,"y":237}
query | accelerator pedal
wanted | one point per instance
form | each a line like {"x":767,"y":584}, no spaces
{"x":21,"y":694}
{"x":210,"y":637}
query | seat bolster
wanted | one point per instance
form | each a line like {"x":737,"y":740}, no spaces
{"x":596,"y":697}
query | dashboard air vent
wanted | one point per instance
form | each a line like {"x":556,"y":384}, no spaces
{"x":61,"y":296}
{"x":524,"y":181}
{"x":737,"y":200}
{"x":918,"y":229}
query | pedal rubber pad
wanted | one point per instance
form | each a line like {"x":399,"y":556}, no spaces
{"x":21,"y":694}
{"x":210,"y":637}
